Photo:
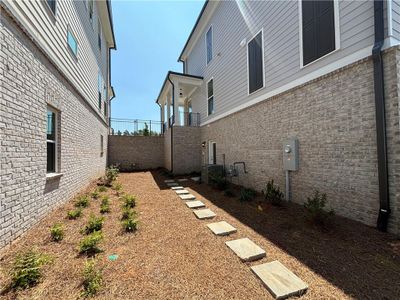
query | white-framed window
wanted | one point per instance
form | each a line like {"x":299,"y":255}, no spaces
{"x":255,"y":62}
{"x":212,"y":153}
{"x":99,"y":35}
{"x":52,"y":140}
{"x":210,"y":96}
{"x":209,"y":44}
{"x":52,"y":5}
{"x":72,"y":42}
{"x":99,"y":89}
{"x":319,"y":30}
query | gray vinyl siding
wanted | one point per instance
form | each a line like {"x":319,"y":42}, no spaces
{"x":83,"y":70}
{"x":280,"y":23}
{"x":396,"y":18}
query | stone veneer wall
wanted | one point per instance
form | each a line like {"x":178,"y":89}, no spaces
{"x":334,"y":119}
{"x":136,"y":152}
{"x":187,"y":149}
{"x":29,"y":82}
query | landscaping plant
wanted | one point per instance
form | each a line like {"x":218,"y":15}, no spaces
{"x":111,"y":175}
{"x":130,"y":224}
{"x":316,"y":208}
{"x":89,"y":244}
{"x":105,"y":205}
{"x":218,"y":181}
{"x":117,"y":187}
{"x":129,"y":201}
{"x":273,"y":194}
{"x":95,"y":194}
{"x":92,"y":278}
{"x":102,"y":189}
{"x":27,"y":269}
{"x":74,"y":214}
{"x":83,"y":201}
{"x":247,"y":194}
{"x":94,"y":224}
{"x":57,"y":232}
{"x":128,"y":213}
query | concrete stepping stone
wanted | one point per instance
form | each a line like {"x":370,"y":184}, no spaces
{"x":182,"y":192}
{"x":187,"y":197}
{"x":246,"y":249}
{"x":172,"y":184}
{"x":280,"y":281}
{"x":177,"y":188}
{"x":183,"y":179}
{"x":169,"y":180}
{"x":197,"y":179}
{"x":204,"y":214}
{"x":195,"y":204}
{"x":221,"y":228}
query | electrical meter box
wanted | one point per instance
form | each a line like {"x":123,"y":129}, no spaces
{"x":291,"y":154}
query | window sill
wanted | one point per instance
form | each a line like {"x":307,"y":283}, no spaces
{"x":50,"y":176}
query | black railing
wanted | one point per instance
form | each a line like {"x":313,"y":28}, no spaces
{"x":190,"y":119}
{"x":135,"y":127}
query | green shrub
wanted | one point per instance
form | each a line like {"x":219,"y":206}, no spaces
{"x":316,"y":208}
{"x":129,"y":201}
{"x":89,"y":244}
{"x":102,"y":189}
{"x":83,"y":201}
{"x":130,"y":224}
{"x":27,"y":269}
{"x":128,"y":213}
{"x":117,"y":186}
{"x":74,"y":214}
{"x":105,"y":205}
{"x":247,"y":194}
{"x":92,"y":278}
{"x":94,"y":224}
{"x":229,"y":193}
{"x":273,"y":193}
{"x":95,"y":194}
{"x":218,"y":181}
{"x":57,"y":232}
{"x":111,"y":175}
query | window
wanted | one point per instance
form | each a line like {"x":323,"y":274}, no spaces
{"x":99,"y":35}
{"x":52,"y":124}
{"x":101,"y":145}
{"x":318,"y":29}
{"x":255,"y":60}
{"x":72,"y":43}
{"x":212,"y":153}
{"x":99,"y":88}
{"x":105,"y":108}
{"x":209,"y":44}
{"x":52,"y":5}
{"x":210,"y":96}
{"x":90,"y":6}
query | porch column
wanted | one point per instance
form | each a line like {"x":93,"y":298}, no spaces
{"x":186,"y":112}
{"x":168,"y":101}
{"x":176,"y":103}
{"x":162,"y":107}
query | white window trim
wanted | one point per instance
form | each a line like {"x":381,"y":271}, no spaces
{"x":56,"y":170}
{"x":212,"y":44}
{"x":263,"y":61}
{"x":208,"y":114}
{"x":210,"y":152}
{"x":337,"y":33}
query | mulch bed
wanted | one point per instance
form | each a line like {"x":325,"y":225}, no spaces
{"x":174,"y":256}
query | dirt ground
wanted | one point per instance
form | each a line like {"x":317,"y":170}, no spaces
{"x":175,"y":256}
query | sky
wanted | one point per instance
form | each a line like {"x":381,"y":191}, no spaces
{"x":150,"y":35}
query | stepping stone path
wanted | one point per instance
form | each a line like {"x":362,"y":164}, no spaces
{"x":221,"y":228}
{"x":197,"y":179}
{"x":169,"y":180}
{"x":182,"y":192}
{"x":204,"y":214}
{"x":280,"y":282}
{"x":246,"y":249}
{"x":177,"y":188}
{"x":195,"y":204}
{"x":183,"y":179}
{"x":172,"y":184}
{"x":187,"y":197}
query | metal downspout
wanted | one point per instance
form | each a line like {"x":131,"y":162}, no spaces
{"x":384,"y":209}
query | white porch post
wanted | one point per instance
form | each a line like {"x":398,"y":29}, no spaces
{"x":186,"y":112}
{"x":176,"y":103}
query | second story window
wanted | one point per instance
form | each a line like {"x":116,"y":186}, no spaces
{"x":318,"y":29}
{"x":209,"y":44}
{"x":99,"y":35}
{"x":52,"y":4}
{"x":72,"y":43}
{"x":99,"y":88}
{"x":255,"y":59}
{"x":210,"y":96}
{"x":90,"y":7}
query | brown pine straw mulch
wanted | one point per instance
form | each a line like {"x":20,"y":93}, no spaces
{"x":174,"y":256}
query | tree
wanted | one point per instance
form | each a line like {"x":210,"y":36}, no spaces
{"x":146,"y":131}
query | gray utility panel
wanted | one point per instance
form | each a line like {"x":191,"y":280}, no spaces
{"x":291,"y":154}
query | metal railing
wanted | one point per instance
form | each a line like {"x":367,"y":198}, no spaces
{"x":135,"y":127}
{"x":188,"y":119}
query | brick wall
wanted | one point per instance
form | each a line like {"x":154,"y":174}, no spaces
{"x":29,"y":82}
{"x":333,"y":118}
{"x":187,"y":149}
{"x":136,"y":152}
{"x":167,"y":149}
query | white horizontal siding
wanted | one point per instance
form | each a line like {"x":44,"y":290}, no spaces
{"x":396,"y":18}
{"x":233,"y":23}
{"x":83,"y":71}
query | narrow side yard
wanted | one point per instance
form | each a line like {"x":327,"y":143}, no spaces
{"x":173,"y":255}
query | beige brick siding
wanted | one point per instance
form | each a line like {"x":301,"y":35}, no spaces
{"x":167,"y":149}
{"x":136,"y":152}
{"x":334,"y":119}
{"x":187,"y":149}
{"x":29,"y":82}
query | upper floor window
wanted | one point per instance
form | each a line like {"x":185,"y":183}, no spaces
{"x":72,"y":43}
{"x":99,"y":88}
{"x":209,"y":44}
{"x":52,"y":139}
{"x":255,"y":59}
{"x":318,"y":29}
{"x":90,"y":6}
{"x":210,"y":96}
{"x":52,"y":5}
{"x":99,"y":35}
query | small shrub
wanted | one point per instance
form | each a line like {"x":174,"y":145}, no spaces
{"x":105,"y":205}
{"x":89,"y":244}
{"x":247,"y":194}
{"x":130,"y":224}
{"x":218,"y":182}
{"x":273,"y":193}
{"x":316,"y":208}
{"x":57,"y":232}
{"x":92,"y":278}
{"x":95,"y":194}
{"x":111,"y":175}
{"x":129,"y":201}
{"x":117,"y":186}
{"x":74,"y":214}
{"x":83,"y":201}
{"x":27,"y":269}
{"x":128,"y":213}
{"x":94,"y":224}
{"x":229,"y":193}
{"x":102,"y":189}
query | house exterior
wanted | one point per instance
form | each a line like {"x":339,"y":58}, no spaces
{"x":324,"y":73}
{"x":54,"y":113}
